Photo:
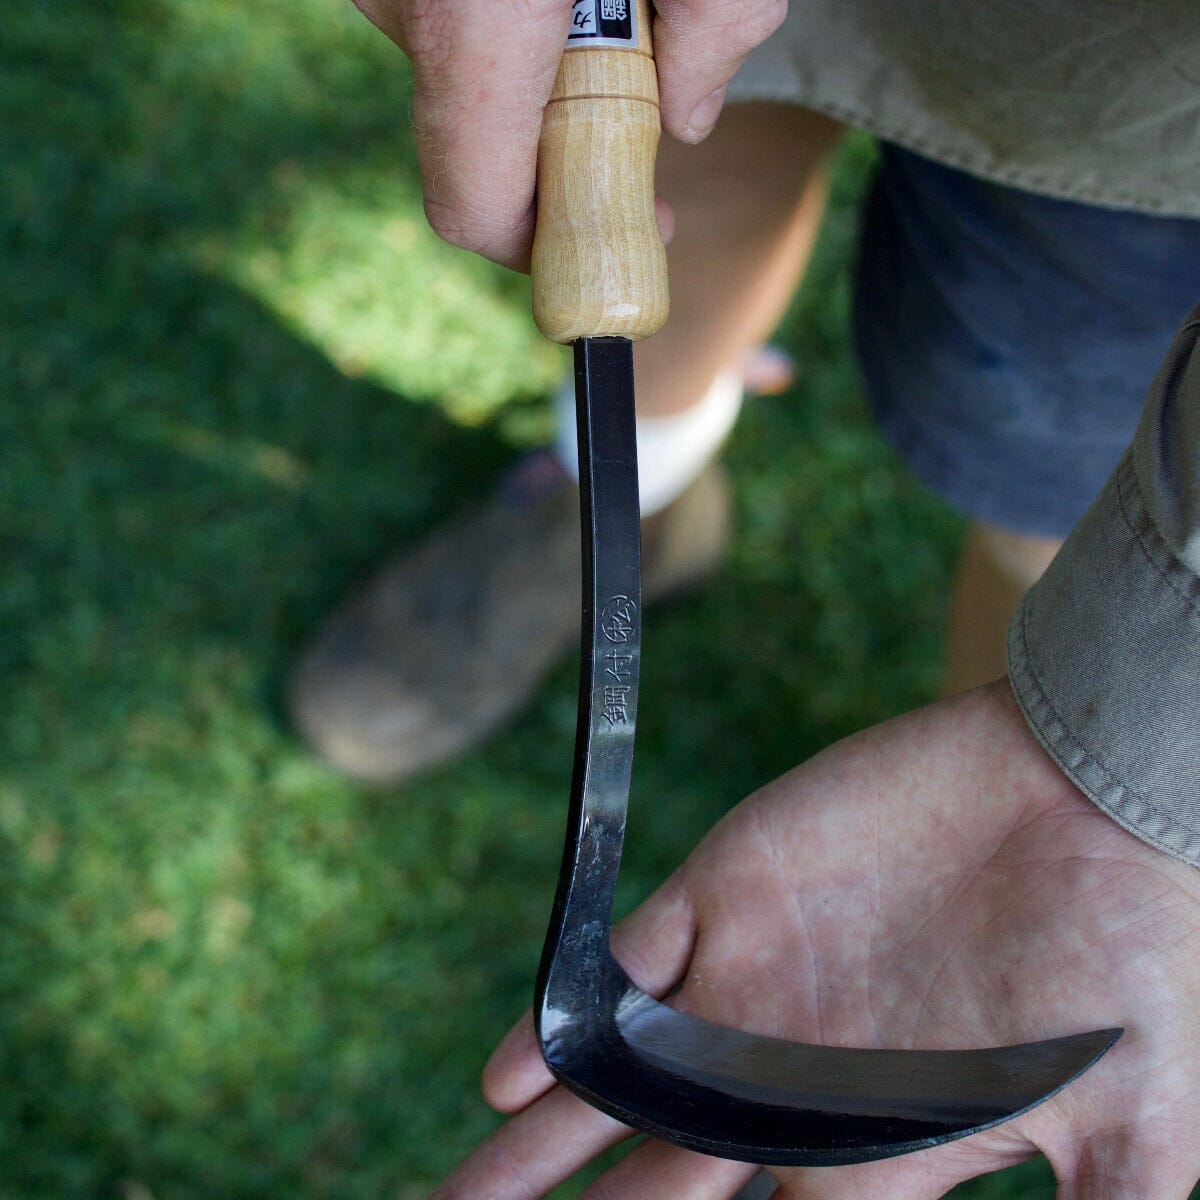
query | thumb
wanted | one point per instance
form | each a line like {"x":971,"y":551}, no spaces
{"x":699,"y":45}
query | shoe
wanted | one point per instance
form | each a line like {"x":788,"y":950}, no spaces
{"x":451,"y":639}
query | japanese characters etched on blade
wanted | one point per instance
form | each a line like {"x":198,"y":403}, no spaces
{"x":603,"y":23}
{"x":616,"y":691}
{"x":618,"y":623}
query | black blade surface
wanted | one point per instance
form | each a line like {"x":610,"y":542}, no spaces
{"x":700,"y":1085}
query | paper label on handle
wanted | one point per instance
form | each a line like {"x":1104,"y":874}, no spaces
{"x":603,"y":23}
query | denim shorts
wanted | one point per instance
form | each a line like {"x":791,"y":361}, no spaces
{"x":1007,"y":340}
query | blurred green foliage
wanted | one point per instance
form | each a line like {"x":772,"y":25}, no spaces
{"x":236,"y":370}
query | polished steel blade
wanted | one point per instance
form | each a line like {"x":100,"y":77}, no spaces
{"x":713,"y":1089}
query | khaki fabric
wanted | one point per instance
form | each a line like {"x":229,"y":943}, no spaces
{"x":1104,"y":651}
{"x":1097,"y":101}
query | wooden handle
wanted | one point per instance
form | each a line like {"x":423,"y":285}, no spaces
{"x":599,"y":266}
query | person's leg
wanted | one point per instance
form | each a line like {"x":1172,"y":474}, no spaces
{"x":450,"y":639}
{"x":996,"y":569}
{"x":747,"y":205}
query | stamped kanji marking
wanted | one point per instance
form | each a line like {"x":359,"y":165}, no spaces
{"x":617,"y":619}
{"x":616,"y":704}
{"x":619,"y":666}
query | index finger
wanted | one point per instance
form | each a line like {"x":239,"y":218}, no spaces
{"x":482,"y":77}
{"x":533,"y":1153}
{"x":653,"y":944}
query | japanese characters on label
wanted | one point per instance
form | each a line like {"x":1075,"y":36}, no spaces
{"x":603,"y":23}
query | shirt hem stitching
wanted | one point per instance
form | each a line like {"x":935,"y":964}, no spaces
{"x":1158,"y":555}
{"x":1128,"y":807}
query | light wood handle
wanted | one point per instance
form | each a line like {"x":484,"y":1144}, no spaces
{"x":599,"y":267}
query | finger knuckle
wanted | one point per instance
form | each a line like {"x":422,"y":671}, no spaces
{"x":754,"y":22}
{"x":426,"y":32}
{"x":742,"y":26}
{"x":773,"y":15}
{"x":535,"y":11}
{"x":456,"y":223}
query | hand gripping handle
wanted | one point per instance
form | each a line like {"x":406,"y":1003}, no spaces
{"x":599,"y":266}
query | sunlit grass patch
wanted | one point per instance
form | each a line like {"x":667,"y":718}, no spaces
{"x":351,"y":265}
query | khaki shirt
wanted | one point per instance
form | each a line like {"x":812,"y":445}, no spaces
{"x":1095,"y":100}
{"x":1104,"y":651}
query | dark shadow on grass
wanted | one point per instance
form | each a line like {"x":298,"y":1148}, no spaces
{"x":190,"y":503}
{"x":185,"y":487}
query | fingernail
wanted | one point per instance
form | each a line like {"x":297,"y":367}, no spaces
{"x":704,"y":115}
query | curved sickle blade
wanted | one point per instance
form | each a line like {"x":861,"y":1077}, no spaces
{"x":703,"y":1086}
{"x":777,"y":1103}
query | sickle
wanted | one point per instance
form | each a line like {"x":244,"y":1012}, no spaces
{"x":600,"y":281}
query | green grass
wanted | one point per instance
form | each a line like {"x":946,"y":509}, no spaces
{"x":236,"y":370}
